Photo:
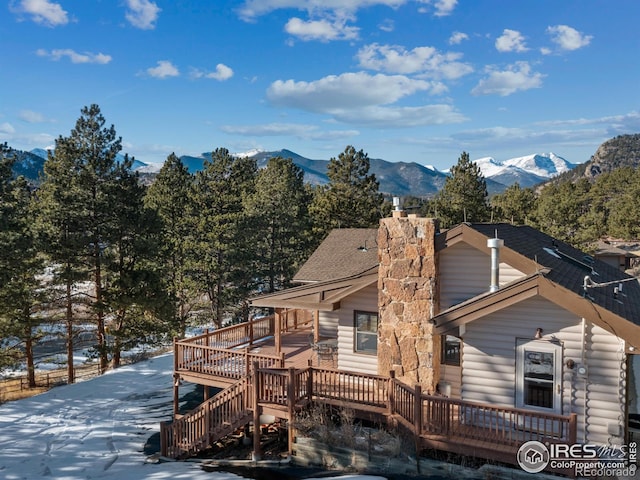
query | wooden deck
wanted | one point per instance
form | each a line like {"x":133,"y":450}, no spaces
{"x":279,"y":373}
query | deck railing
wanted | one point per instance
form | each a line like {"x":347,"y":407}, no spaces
{"x":463,"y":420}
{"x":453,"y":423}
{"x":219,"y":353}
{"x":350,"y":387}
{"x":221,"y":362}
{"x":220,"y":415}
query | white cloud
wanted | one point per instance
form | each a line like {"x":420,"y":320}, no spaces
{"x":221,"y":73}
{"x":349,"y":90}
{"x":363,"y":99}
{"x":511,"y":41}
{"x":251,"y":9}
{"x":306,"y":132}
{"x":398,"y":117}
{"x":323,"y":30}
{"x":7,"y":129}
{"x":457,"y":37}
{"x":387,"y":25}
{"x":616,"y":124}
{"x":517,"y":77}
{"x":75,"y":57}
{"x":164,"y":69}
{"x":44,"y":12}
{"x":443,"y":8}
{"x":142,"y":13}
{"x":423,"y":60}
{"x":568,"y":38}
{"x":30,"y":116}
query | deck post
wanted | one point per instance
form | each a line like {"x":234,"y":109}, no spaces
{"x":250,"y":326}
{"x":417,"y":422}
{"x":247,"y":366}
{"x":310,"y":382}
{"x":257,"y":450}
{"x":417,"y":411}
{"x":277,"y":333}
{"x":390,"y":398}
{"x":291,"y":402}
{"x":176,"y":377}
{"x":573,"y":428}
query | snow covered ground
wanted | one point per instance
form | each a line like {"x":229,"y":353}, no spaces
{"x":96,"y":429}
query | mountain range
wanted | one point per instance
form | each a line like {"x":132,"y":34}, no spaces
{"x":411,"y":178}
{"x":395,"y":178}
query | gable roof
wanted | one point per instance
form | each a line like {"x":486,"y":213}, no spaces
{"x":324,"y":296}
{"x":581,"y":284}
{"x":344,"y":253}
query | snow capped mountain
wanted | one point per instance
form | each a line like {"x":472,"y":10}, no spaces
{"x":249,"y":153}
{"x":545,"y":164}
{"x":526,"y":171}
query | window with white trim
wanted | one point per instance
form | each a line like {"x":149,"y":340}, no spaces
{"x":366,"y":332}
{"x":538,"y":375}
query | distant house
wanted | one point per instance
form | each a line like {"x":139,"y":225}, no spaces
{"x":491,"y":313}
{"x":619,"y":255}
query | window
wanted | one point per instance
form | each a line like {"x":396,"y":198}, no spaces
{"x":450,"y":354}
{"x":366,"y":332}
{"x":539,"y":375}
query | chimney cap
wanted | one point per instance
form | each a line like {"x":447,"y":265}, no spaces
{"x":495,"y":243}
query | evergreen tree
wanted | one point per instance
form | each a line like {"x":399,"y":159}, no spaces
{"x":464,"y":196}
{"x":20,"y":266}
{"x":61,"y":230}
{"x":623,"y":216}
{"x":514,"y":205}
{"x":217,"y":245}
{"x":560,"y":208}
{"x":134,"y":293}
{"x":278,"y":214}
{"x":169,"y":197}
{"x":351,"y":198}
{"x":79,"y":183}
{"x":20,"y":295}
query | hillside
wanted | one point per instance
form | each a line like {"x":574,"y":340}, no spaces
{"x":620,"y":151}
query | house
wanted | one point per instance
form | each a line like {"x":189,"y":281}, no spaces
{"x":493,"y":313}
{"x":617,"y":254}
{"x":476,"y":338}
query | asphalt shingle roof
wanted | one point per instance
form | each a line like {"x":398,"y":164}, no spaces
{"x":344,"y":253}
{"x":568,"y":267}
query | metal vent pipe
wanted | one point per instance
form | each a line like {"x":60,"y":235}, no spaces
{"x":495,"y":244}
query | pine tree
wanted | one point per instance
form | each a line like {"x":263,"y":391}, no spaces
{"x":464,"y":196}
{"x":278,"y":215}
{"x":351,"y":198}
{"x":61,"y":230}
{"x":217,"y":245}
{"x":78,"y":181}
{"x":560,"y":208}
{"x":20,"y":266}
{"x":134,"y":295}
{"x":514,"y":205}
{"x":169,"y":197}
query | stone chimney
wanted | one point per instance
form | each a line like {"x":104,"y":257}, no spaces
{"x":407,"y":299}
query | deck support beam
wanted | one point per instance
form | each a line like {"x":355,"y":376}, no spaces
{"x":257,"y":447}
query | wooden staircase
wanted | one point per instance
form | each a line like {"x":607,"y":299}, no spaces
{"x":213,"y":419}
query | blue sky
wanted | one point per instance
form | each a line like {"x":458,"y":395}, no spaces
{"x":404,"y":80}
